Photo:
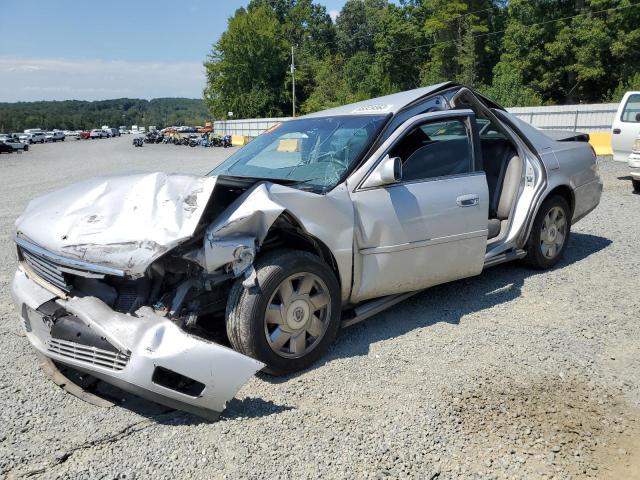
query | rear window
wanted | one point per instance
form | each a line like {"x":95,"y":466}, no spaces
{"x":631,"y":112}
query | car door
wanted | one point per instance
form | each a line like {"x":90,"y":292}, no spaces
{"x":429,"y":227}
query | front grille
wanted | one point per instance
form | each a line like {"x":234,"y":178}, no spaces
{"x":46,"y":269}
{"x":89,"y":355}
{"x":57,"y":270}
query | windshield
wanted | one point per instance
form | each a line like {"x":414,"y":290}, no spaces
{"x":315,"y":152}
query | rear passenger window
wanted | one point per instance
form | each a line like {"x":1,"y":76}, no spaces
{"x":486,"y":129}
{"x":435,"y":149}
{"x":631,"y":112}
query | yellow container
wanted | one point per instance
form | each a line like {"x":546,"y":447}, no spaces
{"x":239,"y":140}
{"x":601,"y":143}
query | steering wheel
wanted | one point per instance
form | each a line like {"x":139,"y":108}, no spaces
{"x":331,"y":157}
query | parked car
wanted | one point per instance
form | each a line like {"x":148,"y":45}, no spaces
{"x":84,"y":135}
{"x":71,"y":133}
{"x":35,"y":137}
{"x":634,"y":164}
{"x":320,"y":222}
{"x":98,"y":133}
{"x":55,"y":136}
{"x":114,"y":132}
{"x":626,"y":126}
{"x":123,"y":130}
{"x":9,"y":145}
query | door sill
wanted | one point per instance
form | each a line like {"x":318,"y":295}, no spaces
{"x":505,"y":257}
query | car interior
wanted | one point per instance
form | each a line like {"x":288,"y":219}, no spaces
{"x":441,"y":149}
{"x":503,"y":170}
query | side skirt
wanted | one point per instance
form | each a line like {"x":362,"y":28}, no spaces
{"x":507,"y":256}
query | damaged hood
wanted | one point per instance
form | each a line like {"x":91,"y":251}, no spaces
{"x":121,"y":221}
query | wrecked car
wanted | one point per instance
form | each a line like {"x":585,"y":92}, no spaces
{"x":318,"y":223}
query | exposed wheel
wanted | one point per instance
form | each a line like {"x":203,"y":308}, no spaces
{"x":636,"y":185}
{"x":550,"y":233}
{"x":291,"y":317}
{"x":26,"y":148}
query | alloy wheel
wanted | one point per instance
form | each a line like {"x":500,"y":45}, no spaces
{"x":554,"y":232}
{"x":297,"y":315}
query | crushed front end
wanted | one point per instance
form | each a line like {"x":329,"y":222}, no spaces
{"x":92,"y":319}
{"x":133,"y":313}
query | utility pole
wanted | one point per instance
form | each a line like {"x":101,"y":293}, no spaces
{"x":293,"y":76}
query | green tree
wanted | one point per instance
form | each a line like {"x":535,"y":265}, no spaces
{"x":246,"y":68}
{"x":457,"y":43}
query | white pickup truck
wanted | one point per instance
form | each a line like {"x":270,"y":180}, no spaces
{"x":626,"y":126}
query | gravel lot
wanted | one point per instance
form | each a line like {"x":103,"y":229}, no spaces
{"x":513,"y":374}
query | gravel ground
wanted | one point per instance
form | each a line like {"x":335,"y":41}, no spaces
{"x":513,"y":374}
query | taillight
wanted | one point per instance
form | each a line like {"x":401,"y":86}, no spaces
{"x":636,"y":146}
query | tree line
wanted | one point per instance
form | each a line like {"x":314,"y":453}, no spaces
{"x":518,"y":52}
{"x":81,"y":115}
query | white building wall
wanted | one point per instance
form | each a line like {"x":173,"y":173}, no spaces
{"x":583,"y":118}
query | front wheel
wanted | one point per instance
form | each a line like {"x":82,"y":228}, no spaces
{"x":636,"y":185}
{"x":291,"y":317}
{"x":550,"y":233}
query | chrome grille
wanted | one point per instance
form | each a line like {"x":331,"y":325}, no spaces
{"x":46,"y":269}
{"x":88,"y":354}
{"x":56,"y":269}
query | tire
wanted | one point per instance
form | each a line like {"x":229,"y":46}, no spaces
{"x":546,"y":246}
{"x":636,"y":185}
{"x":26,"y":148}
{"x":249,"y":330}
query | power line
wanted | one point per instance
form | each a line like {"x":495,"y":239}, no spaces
{"x":496,"y":32}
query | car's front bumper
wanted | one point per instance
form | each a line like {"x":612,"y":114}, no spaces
{"x":634,"y":165}
{"x":147,"y":354}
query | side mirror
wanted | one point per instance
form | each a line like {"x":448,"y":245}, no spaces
{"x":387,"y":172}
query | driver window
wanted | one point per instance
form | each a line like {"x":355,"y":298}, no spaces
{"x":434,"y":149}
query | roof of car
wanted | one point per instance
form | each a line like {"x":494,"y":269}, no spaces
{"x":381,"y":105}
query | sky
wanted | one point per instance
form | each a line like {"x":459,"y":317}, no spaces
{"x":85,"y":50}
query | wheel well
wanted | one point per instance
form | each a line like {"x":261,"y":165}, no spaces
{"x":286,"y":232}
{"x":566,"y":193}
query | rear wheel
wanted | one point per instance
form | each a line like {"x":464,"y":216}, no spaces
{"x":291,"y":317}
{"x":549,"y":234}
{"x":636,"y":185}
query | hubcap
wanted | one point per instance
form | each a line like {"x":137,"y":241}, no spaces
{"x":554,"y":233}
{"x":297,"y":315}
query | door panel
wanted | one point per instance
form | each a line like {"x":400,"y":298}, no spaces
{"x":415,"y":235}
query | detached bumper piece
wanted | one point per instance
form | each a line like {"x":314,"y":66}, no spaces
{"x":147,"y":354}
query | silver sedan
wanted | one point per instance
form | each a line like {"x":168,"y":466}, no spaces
{"x":319,"y":223}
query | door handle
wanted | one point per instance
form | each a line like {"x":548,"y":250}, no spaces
{"x":470,"y":200}
{"x":616,"y":131}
